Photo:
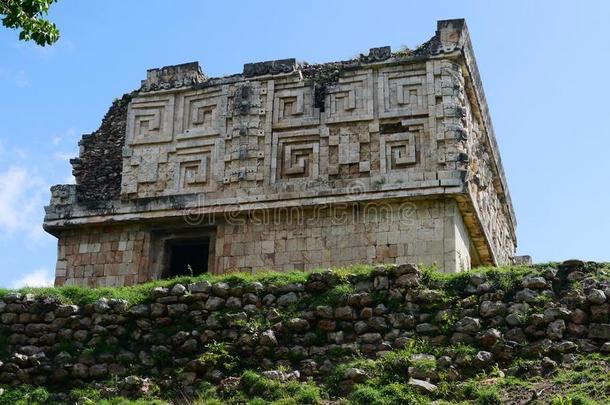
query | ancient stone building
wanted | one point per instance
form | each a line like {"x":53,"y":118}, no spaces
{"x":390,"y":157}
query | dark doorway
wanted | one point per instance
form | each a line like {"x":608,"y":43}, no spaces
{"x":188,"y":257}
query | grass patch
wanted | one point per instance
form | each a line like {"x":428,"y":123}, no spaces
{"x":141,"y":293}
{"x":28,"y":395}
{"x":335,"y":296}
{"x":391,"y":394}
{"x":507,"y":278}
{"x":588,"y":378}
{"x":256,"y":389}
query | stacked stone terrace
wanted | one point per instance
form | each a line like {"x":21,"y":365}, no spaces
{"x":390,"y":157}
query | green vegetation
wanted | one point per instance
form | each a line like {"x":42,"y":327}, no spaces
{"x":334,"y":296}
{"x":27,"y":395}
{"x":255,"y":389}
{"x":140,"y":293}
{"x":216,"y":356}
{"x":505,"y":278}
{"x":27,"y":15}
{"x":584,"y":381}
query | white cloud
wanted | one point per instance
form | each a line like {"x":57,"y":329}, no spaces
{"x":42,"y":277}
{"x":21,"y":200}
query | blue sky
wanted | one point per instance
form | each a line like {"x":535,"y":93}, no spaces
{"x":543,"y":65}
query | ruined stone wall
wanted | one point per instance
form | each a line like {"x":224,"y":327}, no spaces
{"x":308,"y":326}
{"x":98,"y":168}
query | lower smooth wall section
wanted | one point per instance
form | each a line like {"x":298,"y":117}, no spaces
{"x":461,"y":254}
{"x":418,"y":231}
{"x":103,"y":256}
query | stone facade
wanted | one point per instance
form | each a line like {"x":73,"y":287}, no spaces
{"x":390,"y":157}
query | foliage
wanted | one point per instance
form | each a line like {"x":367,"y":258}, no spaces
{"x":290,"y":392}
{"x":507,"y":278}
{"x":391,"y":394}
{"x":335,"y":296}
{"x":140,"y":293}
{"x":572,"y":400}
{"x":256,"y":389}
{"x":27,"y":15}
{"x":488,"y":396}
{"x":587,"y":378}
{"x":28,"y":395}
{"x":217,"y":356}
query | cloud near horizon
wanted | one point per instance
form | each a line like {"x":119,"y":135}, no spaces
{"x":22,"y":196}
{"x":42,"y":277}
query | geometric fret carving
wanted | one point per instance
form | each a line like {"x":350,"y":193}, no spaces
{"x":399,"y":150}
{"x":202,"y":114}
{"x":295,"y":155}
{"x":193,"y":167}
{"x":294,"y":106}
{"x":194,"y":172}
{"x":403,"y":92}
{"x":236,"y":134}
{"x":297,"y":159}
{"x":350,"y":99}
{"x":150,"y":121}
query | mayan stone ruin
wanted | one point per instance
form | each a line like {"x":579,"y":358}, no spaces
{"x":386,"y":158}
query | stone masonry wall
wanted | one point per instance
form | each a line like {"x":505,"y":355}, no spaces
{"x":423,"y":231}
{"x":484,"y":188}
{"x":426,"y":231}
{"x":103,"y":256}
{"x":308,"y":326}
{"x":98,"y":168}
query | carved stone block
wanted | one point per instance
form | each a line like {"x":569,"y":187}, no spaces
{"x":296,"y":155}
{"x":202,"y":114}
{"x":399,"y":150}
{"x":293,"y":106}
{"x":150,"y":120}
{"x":403,"y":91}
{"x":350,"y":99}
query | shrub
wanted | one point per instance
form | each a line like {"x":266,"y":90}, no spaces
{"x":390,"y":394}
{"x":488,"y":396}
{"x":290,"y":392}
